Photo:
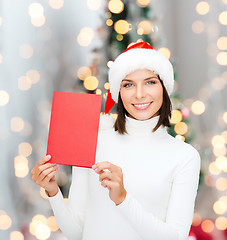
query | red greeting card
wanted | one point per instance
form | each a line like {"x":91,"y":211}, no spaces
{"x":73,"y":130}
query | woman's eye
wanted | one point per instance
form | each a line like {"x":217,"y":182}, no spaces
{"x":128,"y":85}
{"x":151,"y":82}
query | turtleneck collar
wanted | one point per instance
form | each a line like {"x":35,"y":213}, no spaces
{"x":145,"y":127}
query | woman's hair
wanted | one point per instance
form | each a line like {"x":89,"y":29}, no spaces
{"x":164,"y":112}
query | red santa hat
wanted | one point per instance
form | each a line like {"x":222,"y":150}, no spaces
{"x":138,"y":56}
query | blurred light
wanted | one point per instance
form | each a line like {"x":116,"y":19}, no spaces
{"x":20,"y":159}
{"x":185,"y":112}
{"x":207,"y":226}
{"x":198,"y":27}
{"x":222,"y":43}
{"x":56,"y":4}
{"x":221,"y":223}
{"x":176,"y":117}
{"x":109,"y":64}
{"x":180,"y":137}
{"x":4,"y":98}
{"x":165,"y":52}
{"x":219,"y":207}
{"x":222,"y":58}
{"x":33,"y":75}
{"x":83,"y":72}
{"x":21,"y":170}
{"x":24,"y":83}
{"x":51,"y":222}
{"x":42,"y":232}
{"x":214,"y":169}
{"x":91,"y":83}
{"x":0,"y":21}
{"x":181,"y":128}
{"x":41,"y":218}
{"x":196,"y":219}
{"x":224,"y":134}
{"x":0,"y":58}
{"x":221,"y":184}
{"x":224,"y":1}
{"x":116,"y":6}
{"x":198,"y":107}
{"x":119,"y":37}
{"x":221,"y":162}
{"x":26,"y":51}
{"x":43,"y":193}
{"x":122,"y":26}
{"x":35,"y":10}
{"x":38,"y":22}
{"x":209,"y":180}
{"x":219,"y":151}
{"x":218,"y":83}
{"x":107,"y":86}
{"x":223,"y":18}
{"x":140,"y":31}
{"x":202,"y":8}
{"x":16,"y":124}
{"x":15,"y":235}
{"x":145,"y":27}
{"x":98,"y":91}
{"x":25,"y":149}
{"x":94,"y":4}
{"x":218,"y":141}
{"x":66,"y":200}
{"x":109,"y":22}
{"x":225,"y":117}
{"x":5,"y":221}
{"x":85,"y":36}
{"x":143,"y":3}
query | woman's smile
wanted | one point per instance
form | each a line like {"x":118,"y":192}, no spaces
{"x":142,"y":106}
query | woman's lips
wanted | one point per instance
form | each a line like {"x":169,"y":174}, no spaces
{"x":142,"y":106}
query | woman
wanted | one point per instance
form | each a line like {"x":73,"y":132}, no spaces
{"x":144,"y":182}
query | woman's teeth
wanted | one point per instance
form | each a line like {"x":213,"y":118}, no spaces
{"x":142,"y":106}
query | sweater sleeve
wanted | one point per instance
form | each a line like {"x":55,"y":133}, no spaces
{"x":70,"y":216}
{"x":180,"y":208}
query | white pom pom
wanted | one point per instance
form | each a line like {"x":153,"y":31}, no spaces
{"x":106,"y":122}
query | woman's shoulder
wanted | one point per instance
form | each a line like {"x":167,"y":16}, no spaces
{"x":183,"y":147}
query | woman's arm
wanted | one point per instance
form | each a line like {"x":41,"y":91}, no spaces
{"x":70,"y":216}
{"x":180,"y":208}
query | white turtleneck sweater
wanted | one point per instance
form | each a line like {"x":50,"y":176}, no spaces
{"x":160,"y":174}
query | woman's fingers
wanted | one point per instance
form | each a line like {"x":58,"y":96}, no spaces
{"x":106,"y":166}
{"x":108,"y":175}
{"x":45,"y":173}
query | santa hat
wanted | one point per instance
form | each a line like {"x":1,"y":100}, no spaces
{"x":138,"y":56}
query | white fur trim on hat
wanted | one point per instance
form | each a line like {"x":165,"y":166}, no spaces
{"x":140,"y":58}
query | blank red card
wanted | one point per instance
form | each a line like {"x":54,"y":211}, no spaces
{"x":73,"y":130}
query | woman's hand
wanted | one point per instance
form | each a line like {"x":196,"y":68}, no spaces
{"x":112,"y":179}
{"x":43,"y":174}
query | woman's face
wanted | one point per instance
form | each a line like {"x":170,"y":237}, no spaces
{"x":142,"y":94}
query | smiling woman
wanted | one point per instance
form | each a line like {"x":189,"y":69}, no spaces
{"x":144,"y":182}
{"x":141,"y":93}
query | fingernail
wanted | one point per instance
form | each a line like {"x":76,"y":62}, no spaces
{"x":94,"y":166}
{"x":48,"y":157}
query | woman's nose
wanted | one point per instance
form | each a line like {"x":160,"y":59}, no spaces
{"x":140,"y":92}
